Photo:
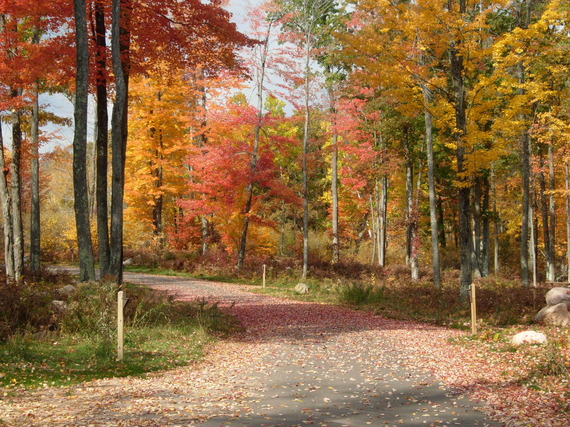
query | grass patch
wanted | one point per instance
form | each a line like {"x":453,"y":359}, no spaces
{"x":78,"y":343}
{"x":62,"y":360}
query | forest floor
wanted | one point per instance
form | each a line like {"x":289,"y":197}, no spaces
{"x":302,"y":363}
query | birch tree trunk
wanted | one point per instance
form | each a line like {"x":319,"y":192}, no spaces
{"x":304,"y":159}
{"x":546,"y":226}
{"x":5,"y":198}
{"x":35,"y":250}
{"x":409,"y":196}
{"x":383,"y":224}
{"x":496,"y":224}
{"x":431,"y":189}
{"x":567,"y":205}
{"x":525,"y":163}
{"x":552,"y":212}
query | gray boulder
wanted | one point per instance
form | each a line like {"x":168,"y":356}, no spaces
{"x":557,"y":295}
{"x":301,"y":288}
{"x":59,"y":306}
{"x":67,"y":290}
{"x":555,"y":315}
{"x":529,"y":337}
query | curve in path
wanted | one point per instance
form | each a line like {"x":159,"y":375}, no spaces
{"x":296,"y":364}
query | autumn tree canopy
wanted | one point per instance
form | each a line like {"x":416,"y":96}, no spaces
{"x":427,"y":133}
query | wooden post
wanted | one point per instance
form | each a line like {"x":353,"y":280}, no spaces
{"x":120,"y":325}
{"x":263,"y":276}
{"x":473,"y":310}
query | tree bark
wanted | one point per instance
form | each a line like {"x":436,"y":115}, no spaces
{"x":441,"y":223}
{"x":485,"y":236}
{"x":552,"y":212}
{"x":496,"y":224}
{"x":546,"y":226}
{"x":383,"y":222}
{"x":120,"y":40}
{"x":457,"y":77}
{"x":334,"y":177}
{"x":525,"y":165}
{"x":6,"y":200}
{"x":16,"y":191}
{"x":567,"y":206}
{"x":102,"y":141}
{"x":431,"y":189}
{"x":409,"y":195}
{"x":304,"y":159}
{"x":255,"y":153}
{"x":35,"y":249}
{"x":477,"y":226}
{"x":81,"y":202}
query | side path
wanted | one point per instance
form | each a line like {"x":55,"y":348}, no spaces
{"x":297,"y":363}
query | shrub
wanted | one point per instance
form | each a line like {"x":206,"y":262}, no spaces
{"x":359,"y":293}
{"x":27,"y":307}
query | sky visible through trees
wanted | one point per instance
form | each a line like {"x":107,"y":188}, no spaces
{"x":425,"y":133}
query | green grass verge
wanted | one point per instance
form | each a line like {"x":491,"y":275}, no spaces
{"x":26,"y":361}
{"x":160,"y":334}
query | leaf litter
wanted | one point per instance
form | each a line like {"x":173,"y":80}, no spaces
{"x":305,"y":363}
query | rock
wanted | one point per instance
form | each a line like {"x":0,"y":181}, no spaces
{"x":529,"y":337}
{"x":301,"y":288}
{"x":59,"y":306}
{"x":557,"y":295}
{"x":555,"y":315}
{"x":128,"y":261}
{"x":67,"y":290}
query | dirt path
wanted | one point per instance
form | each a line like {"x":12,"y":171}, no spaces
{"x":298,"y":363}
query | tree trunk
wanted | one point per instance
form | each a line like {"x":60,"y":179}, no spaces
{"x":255,"y":153}
{"x":6,"y":200}
{"x":334,"y":177}
{"x":282,"y":238}
{"x":496,"y":223}
{"x":567,"y":206}
{"x":409,"y":195}
{"x":485,"y":236}
{"x":552,"y":212}
{"x":431,"y":190}
{"x":375,"y":232}
{"x":441,"y":223}
{"x":81,"y":204}
{"x":525,"y":164}
{"x":532,"y":247}
{"x":457,"y":77}
{"x":102,"y":141}
{"x":334,"y":194}
{"x":304,"y":160}
{"x":383,"y":223}
{"x":120,"y":41}
{"x":477,"y":220}
{"x":35,"y":251}
{"x":546,"y":229}
{"x":157,"y":172}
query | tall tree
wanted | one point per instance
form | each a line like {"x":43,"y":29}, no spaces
{"x":303,"y":17}
{"x":102,"y":136}
{"x":7,"y":224}
{"x":81,"y":202}
{"x":120,"y":42}
{"x":259,"y":84}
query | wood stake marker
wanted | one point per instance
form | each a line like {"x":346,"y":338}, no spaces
{"x":120,"y":325}
{"x":473,"y":310}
